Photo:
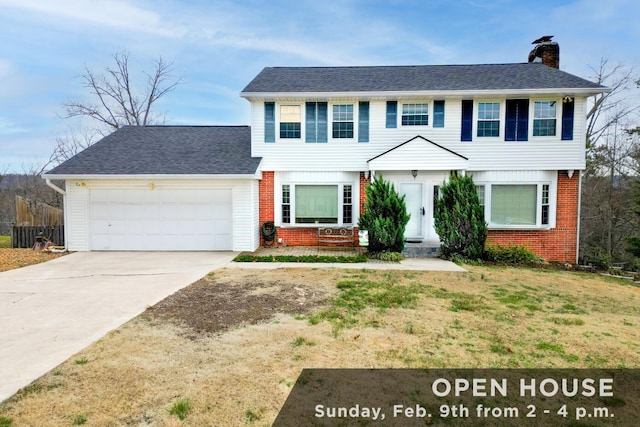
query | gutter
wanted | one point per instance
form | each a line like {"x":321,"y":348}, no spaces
{"x":64,"y":206}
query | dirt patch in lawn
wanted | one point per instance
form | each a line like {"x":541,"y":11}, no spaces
{"x":16,"y":258}
{"x":235,"y":298}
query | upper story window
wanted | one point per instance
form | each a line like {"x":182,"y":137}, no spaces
{"x":343,"y":121}
{"x":415,"y":114}
{"x":544,"y":118}
{"x":290,"y":121}
{"x":488,"y":119}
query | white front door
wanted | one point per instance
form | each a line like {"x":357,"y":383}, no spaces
{"x":415,"y":207}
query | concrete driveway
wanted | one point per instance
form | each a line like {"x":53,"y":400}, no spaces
{"x":50,"y":311}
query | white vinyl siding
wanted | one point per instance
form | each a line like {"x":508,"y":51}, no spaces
{"x":242,"y":196}
{"x":548,"y":153}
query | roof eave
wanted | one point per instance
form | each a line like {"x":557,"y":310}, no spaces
{"x":256,"y":175}
{"x":425,"y":93}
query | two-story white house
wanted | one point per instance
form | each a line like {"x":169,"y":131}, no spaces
{"x":319,"y":134}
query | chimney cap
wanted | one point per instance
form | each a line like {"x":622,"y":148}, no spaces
{"x":543,"y":39}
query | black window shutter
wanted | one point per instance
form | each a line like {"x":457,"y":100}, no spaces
{"x":523,"y":120}
{"x":311,"y":127}
{"x":269,"y":122}
{"x":392,"y":114}
{"x":467,"y":120}
{"x":363,"y":121}
{"x":516,"y":126}
{"x":322,"y":122}
{"x":567,"y":120}
{"x":438,"y":114}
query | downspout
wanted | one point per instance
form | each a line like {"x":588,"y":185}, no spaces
{"x":64,"y":207}
{"x":579,"y":210}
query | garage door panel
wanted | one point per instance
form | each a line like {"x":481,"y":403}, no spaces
{"x":163,"y":219}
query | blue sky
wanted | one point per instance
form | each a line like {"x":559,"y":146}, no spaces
{"x":218,"y":46}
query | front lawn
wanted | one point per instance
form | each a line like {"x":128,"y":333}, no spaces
{"x":228,"y":349}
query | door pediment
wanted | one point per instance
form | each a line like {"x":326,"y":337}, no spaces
{"x":419,"y":153}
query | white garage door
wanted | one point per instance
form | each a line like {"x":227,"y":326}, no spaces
{"x":160,"y":219}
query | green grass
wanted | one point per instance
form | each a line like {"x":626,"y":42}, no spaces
{"x":252,"y":416}
{"x":357,"y":295}
{"x":181,"y":408}
{"x":6,"y":421}
{"x":79,"y":420}
{"x":299,"y":341}
{"x":567,"y":321}
{"x":5,"y":242}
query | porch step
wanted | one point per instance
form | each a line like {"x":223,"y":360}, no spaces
{"x":412,"y":250}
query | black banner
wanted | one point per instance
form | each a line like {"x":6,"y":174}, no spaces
{"x":467,"y":397}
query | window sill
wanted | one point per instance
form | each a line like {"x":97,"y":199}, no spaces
{"x":519,"y":227}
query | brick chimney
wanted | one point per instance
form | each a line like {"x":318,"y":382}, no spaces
{"x":546,"y":51}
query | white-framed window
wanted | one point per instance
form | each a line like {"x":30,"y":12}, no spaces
{"x":342,"y":125}
{"x":416,"y":114}
{"x":290,"y":121}
{"x":488,"y":123}
{"x":545,"y":118}
{"x":521,"y":205}
{"x":317,"y":204}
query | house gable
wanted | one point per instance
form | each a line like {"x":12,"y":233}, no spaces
{"x":419,"y":153}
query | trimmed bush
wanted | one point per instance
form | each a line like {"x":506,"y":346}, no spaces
{"x":511,"y":254}
{"x":385,"y":217}
{"x":459,"y":219}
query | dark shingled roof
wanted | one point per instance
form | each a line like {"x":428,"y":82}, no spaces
{"x":166,"y":150}
{"x":415,"y":78}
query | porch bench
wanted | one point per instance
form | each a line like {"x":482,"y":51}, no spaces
{"x":335,"y":235}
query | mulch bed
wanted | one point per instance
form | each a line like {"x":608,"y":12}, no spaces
{"x":16,"y":258}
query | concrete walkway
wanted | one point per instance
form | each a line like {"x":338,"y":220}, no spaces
{"x":50,"y":311}
{"x":416,"y":264}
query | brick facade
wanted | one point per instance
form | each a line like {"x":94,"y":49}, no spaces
{"x":296,"y":236}
{"x":558,"y":244}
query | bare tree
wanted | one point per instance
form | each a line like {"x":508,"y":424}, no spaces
{"x":72,"y":143}
{"x":609,"y":108}
{"x":606,"y":218}
{"x":117,"y":100}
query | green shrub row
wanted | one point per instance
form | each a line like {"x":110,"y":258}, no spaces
{"x":301,"y":258}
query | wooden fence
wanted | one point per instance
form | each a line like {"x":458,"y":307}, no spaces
{"x":25,"y":236}
{"x":32,"y":212}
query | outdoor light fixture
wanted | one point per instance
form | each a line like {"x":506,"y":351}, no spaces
{"x":414,"y":173}
{"x":152,"y":186}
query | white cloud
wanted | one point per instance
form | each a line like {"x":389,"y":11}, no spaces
{"x":111,"y":13}
{"x":7,"y":127}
